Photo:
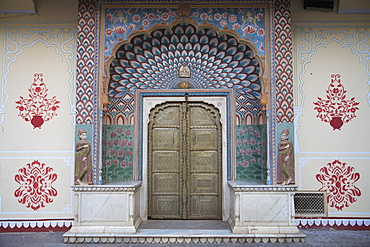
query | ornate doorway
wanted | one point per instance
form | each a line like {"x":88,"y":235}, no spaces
{"x":184,"y":161}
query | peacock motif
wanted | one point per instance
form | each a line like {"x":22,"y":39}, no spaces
{"x":153,"y":60}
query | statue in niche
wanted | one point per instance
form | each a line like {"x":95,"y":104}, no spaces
{"x":83,"y":166}
{"x":184,"y":71}
{"x":285,"y":160}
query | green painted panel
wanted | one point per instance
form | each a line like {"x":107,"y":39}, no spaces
{"x":251,"y":153}
{"x":118,"y":153}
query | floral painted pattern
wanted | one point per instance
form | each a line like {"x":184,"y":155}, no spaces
{"x":251,"y":153}
{"x":338,"y":180}
{"x":117,"y":152}
{"x":35,"y":181}
{"x":249,"y":23}
{"x":336,"y":109}
{"x":37,"y":109}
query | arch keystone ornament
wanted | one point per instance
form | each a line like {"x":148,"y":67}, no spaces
{"x":184,"y":10}
{"x":37,"y":109}
{"x":338,"y":180}
{"x":35,"y":185}
{"x":335,"y":109}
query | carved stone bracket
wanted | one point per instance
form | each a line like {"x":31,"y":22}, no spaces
{"x":104,"y":95}
{"x":184,"y":10}
{"x":265,"y":94}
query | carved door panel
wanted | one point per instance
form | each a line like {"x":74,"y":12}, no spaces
{"x":184,"y":160}
{"x":204,"y":163}
{"x":164,"y":159}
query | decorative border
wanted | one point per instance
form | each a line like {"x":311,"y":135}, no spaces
{"x":283,"y":60}
{"x":63,"y":225}
{"x":240,"y":187}
{"x":271,"y":109}
{"x":86,"y":80}
{"x":232,"y":239}
{"x":130,"y":27}
{"x":129,"y":187}
{"x":37,"y":225}
{"x":336,"y":223}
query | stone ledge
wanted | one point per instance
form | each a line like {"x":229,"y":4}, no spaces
{"x":243,"y":187}
{"x":127,"y":187}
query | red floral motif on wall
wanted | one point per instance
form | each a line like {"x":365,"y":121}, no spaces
{"x":35,"y":182}
{"x":335,"y":109}
{"x":338,"y":180}
{"x":37,"y":109}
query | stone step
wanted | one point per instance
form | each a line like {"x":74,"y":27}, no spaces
{"x":183,"y":236}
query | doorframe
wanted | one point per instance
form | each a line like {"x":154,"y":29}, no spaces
{"x":222,"y":99}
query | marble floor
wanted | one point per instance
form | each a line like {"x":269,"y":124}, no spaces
{"x":184,"y":228}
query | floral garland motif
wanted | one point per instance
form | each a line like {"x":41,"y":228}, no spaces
{"x":251,"y":153}
{"x":118,"y":153}
{"x":249,"y":23}
{"x":338,"y":180}
{"x":336,"y":110}
{"x":37,"y":109}
{"x":35,"y":182}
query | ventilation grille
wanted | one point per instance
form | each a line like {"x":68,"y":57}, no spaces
{"x":311,"y":203}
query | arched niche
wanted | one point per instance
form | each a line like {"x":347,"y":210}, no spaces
{"x":216,"y":59}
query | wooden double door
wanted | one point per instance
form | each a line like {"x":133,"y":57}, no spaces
{"x":184,"y":161}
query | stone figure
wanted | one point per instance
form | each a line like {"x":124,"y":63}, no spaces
{"x":83,"y":166}
{"x":285,"y":160}
{"x":184,"y":71}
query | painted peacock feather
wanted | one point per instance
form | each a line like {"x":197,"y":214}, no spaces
{"x":216,"y":61}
